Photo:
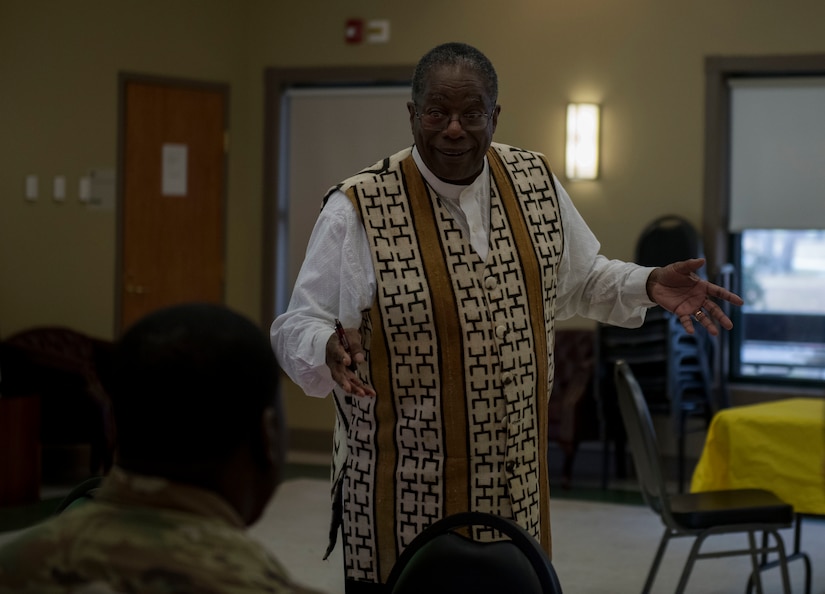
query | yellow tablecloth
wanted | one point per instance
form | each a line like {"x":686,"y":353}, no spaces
{"x":779,"y":446}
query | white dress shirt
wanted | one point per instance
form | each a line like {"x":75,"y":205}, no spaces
{"x":337,"y":278}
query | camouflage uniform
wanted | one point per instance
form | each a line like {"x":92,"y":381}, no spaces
{"x":142,"y":535}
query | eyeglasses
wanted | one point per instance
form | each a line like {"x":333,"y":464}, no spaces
{"x":437,"y":120}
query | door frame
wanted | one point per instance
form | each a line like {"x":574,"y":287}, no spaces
{"x":277,"y":82}
{"x":124,"y":78}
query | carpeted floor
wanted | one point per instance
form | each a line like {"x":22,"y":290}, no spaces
{"x":603,"y":542}
{"x":598,"y":548}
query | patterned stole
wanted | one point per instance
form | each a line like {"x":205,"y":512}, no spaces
{"x":460,"y":356}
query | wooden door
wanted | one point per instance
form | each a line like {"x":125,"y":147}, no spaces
{"x":173,"y":167}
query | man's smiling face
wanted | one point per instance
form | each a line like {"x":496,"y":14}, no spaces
{"x":454,"y":154}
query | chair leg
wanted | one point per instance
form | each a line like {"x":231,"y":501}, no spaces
{"x":756,"y":575}
{"x":796,"y":554}
{"x":621,"y":458}
{"x":605,"y":462}
{"x":681,"y":461}
{"x":694,"y":553}
{"x":569,"y":450}
{"x":657,"y":560}
{"x":618,"y":443}
{"x":807,"y":562}
{"x":783,"y":561}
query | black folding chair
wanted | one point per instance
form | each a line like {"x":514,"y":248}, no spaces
{"x":440,"y":560}
{"x":751,"y":512}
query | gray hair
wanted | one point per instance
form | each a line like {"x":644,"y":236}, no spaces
{"x":450,"y":54}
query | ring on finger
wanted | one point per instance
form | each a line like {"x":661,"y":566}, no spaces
{"x":699,"y":314}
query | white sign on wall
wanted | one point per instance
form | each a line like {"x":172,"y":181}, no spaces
{"x":174,"y":169}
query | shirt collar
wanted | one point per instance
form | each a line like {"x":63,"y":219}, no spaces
{"x":128,"y":488}
{"x":445,"y":189}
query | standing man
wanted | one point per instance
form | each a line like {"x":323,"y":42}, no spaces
{"x":448,"y":264}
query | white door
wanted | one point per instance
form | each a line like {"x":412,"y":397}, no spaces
{"x":327,"y":135}
{"x":330,"y":134}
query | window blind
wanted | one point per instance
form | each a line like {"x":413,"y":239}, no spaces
{"x":777,"y":153}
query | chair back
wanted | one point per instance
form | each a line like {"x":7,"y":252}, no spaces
{"x":669,"y":238}
{"x":64,"y":367}
{"x":641,"y":435}
{"x":440,"y":560}
{"x":80,"y":494}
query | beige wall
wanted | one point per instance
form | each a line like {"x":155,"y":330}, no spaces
{"x":642,"y":59}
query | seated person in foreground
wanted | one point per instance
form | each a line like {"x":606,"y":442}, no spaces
{"x":200,"y":450}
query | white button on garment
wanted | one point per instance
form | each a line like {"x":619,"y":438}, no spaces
{"x":490,"y":282}
{"x":501,"y":331}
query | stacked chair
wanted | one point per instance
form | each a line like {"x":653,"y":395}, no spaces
{"x":673,"y":367}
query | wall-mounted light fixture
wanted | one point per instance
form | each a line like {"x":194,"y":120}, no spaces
{"x":582,"y":155}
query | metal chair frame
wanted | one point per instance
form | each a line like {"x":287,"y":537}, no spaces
{"x":441,"y":547}
{"x":700,"y":515}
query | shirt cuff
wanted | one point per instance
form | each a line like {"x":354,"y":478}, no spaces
{"x":637,"y":286}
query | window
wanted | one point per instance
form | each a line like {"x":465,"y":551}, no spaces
{"x":780,"y":332}
{"x":764,"y":213}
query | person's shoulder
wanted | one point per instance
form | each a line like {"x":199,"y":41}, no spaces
{"x":27,"y":559}
{"x":515,"y":155}
{"x":503,"y":149}
{"x":196,"y":554}
{"x":376,"y":170}
{"x":34,"y":540}
{"x":45,"y":588}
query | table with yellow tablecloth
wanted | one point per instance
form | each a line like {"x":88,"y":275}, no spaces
{"x":778,"y":446}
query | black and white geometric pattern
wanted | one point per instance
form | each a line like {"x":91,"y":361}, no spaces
{"x":432,"y":286}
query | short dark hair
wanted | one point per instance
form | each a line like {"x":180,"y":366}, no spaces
{"x":188,"y":384}
{"x":453,"y":53}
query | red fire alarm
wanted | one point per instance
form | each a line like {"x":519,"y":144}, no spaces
{"x":354,"y":31}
